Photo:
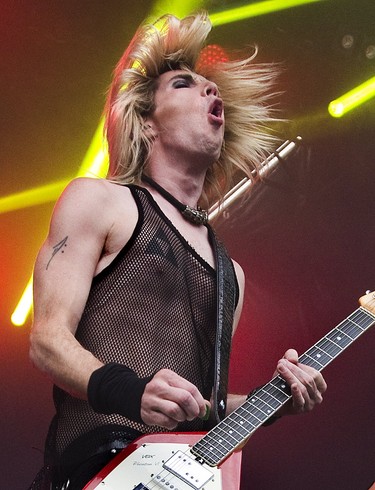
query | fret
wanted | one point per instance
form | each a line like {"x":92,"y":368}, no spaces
{"x":362,"y":317}
{"x":217,"y":444}
{"x":257,"y":413}
{"x":311,"y":361}
{"x":250,"y":417}
{"x":241,"y":423}
{"x":208,"y":447}
{"x":351,"y":329}
{"x":242,"y":417}
{"x":269,"y":399}
{"x":278,"y":388}
{"x":231,"y":430}
{"x":340,"y":337}
{"x":221,"y":443}
{"x":329,"y":346}
{"x":260,"y":401}
{"x":316,"y":357}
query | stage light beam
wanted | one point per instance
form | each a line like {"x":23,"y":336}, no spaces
{"x":94,"y":164}
{"x":352,"y":99}
{"x":24,"y":306}
{"x":175,"y":7}
{"x":32,"y":197}
{"x":255,"y":10}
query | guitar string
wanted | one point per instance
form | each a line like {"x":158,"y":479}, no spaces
{"x":326,"y":344}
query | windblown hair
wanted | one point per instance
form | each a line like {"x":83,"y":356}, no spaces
{"x":173,"y":44}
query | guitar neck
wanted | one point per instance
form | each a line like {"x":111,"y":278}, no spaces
{"x":231,"y":432}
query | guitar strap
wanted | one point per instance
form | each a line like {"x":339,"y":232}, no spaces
{"x":226,"y":302}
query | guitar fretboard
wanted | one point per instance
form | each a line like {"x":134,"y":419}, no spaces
{"x":231,"y":432}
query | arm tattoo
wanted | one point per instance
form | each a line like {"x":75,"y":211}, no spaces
{"x":57,"y":248}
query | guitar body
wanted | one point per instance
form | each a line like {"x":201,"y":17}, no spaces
{"x":140,"y":466}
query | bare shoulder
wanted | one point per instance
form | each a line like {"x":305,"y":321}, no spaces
{"x":96,"y":217}
{"x":92,"y":200}
{"x":241,"y":285}
{"x":239,"y":273}
{"x":85,"y":190}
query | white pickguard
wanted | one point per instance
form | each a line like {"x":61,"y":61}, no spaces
{"x":145,"y":465}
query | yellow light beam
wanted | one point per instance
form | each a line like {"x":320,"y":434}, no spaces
{"x":32,"y":197}
{"x":23,"y":308}
{"x":94,"y":164}
{"x":95,"y":161}
{"x":255,"y":9}
{"x":174,"y":7}
{"x":352,"y":99}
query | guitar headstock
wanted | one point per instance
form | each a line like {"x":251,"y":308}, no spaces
{"x":368,"y":301}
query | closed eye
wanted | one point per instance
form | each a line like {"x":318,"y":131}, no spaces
{"x":183,"y":81}
{"x":181,"y":84}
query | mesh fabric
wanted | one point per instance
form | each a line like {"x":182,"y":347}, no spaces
{"x":153,"y":307}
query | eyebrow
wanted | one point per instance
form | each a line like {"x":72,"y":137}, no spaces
{"x":184,"y":76}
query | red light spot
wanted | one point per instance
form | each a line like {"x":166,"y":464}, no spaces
{"x":211,"y":55}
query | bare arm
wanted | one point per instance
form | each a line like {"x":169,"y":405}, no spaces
{"x":63,"y":273}
{"x":241,"y":285}
{"x":82,"y":225}
{"x":307,"y":384}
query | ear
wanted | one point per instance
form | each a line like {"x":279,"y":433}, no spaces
{"x":148,"y":129}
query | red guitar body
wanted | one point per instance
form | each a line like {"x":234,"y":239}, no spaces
{"x":149,"y":463}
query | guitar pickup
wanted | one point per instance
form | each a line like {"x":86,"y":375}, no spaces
{"x":188,"y":470}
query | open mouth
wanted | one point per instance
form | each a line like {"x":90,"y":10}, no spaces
{"x":217,"y":108}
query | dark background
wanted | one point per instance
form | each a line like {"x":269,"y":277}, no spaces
{"x":305,"y":237}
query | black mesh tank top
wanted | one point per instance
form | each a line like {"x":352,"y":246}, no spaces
{"x":153,"y":307}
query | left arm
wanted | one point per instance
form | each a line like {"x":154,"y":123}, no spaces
{"x":306,"y":383}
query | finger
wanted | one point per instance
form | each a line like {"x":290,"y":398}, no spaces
{"x":169,"y":386}
{"x":299,"y":402}
{"x":291,"y":355}
{"x":188,"y":397}
{"x":311,"y":379}
{"x":306,"y":383}
{"x":300,"y":381}
{"x":193,"y":405}
{"x":158,"y":418}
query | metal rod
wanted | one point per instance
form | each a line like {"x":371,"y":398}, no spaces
{"x":266,"y":166}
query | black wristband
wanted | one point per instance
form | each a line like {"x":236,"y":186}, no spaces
{"x":115,"y":388}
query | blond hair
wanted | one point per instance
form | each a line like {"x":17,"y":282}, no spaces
{"x":172,"y":44}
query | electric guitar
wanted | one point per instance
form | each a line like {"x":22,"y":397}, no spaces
{"x":187,"y":461}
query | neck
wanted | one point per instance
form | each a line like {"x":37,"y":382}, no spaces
{"x":184,"y":188}
{"x":181,"y":175}
{"x":195,"y":215}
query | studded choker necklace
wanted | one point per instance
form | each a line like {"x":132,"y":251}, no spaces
{"x":197,"y":216}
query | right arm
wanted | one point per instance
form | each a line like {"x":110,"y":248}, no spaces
{"x":62,"y":280}
{"x":63,"y":273}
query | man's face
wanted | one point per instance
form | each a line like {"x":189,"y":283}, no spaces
{"x":188,"y":115}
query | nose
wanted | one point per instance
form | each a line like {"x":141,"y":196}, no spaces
{"x":210,"y":88}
